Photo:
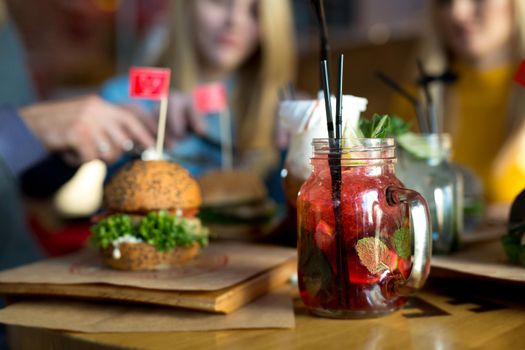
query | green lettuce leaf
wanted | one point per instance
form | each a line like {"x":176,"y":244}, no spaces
{"x":166,"y":232}
{"x":109,"y":229}
{"x":160,"y":229}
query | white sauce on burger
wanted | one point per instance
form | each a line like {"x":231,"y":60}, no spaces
{"x":123,"y":239}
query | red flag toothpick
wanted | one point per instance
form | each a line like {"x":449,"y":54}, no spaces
{"x":149,"y":83}
{"x":210,"y":98}
{"x":152,"y":84}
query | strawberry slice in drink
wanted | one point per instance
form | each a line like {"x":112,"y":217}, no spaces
{"x":358,"y":274}
{"x":404,"y":266}
{"x":318,"y":209}
{"x":324,"y":236}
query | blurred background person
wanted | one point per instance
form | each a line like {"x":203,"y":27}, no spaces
{"x":247,"y":45}
{"x":483,"y":41}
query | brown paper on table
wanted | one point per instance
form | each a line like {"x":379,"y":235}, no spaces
{"x":274,"y":310}
{"x":486,"y":260}
{"x":219,"y":266}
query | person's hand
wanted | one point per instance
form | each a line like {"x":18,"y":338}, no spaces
{"x":88,"y":126}
{"x":182,"y":117}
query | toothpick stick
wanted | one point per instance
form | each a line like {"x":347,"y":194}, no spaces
{"x":161,"y":130}
{"x":226,"y":140}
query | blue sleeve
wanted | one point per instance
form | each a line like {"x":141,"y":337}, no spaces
{"x":16,"y":86}
{"x":19,"y":148}
{"x":116,"y":91}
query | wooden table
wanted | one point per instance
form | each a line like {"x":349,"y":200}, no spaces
{"x":448,"y":314}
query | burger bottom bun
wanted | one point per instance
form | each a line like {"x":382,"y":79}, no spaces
{"x":144,"y":257}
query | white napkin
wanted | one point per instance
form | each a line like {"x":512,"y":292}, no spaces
{"x":306,"y":120}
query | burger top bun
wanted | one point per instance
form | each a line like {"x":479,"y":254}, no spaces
{"x":228,"y":187}
{"x":143,"y":186}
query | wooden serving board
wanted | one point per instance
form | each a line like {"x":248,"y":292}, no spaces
{"x":251,"y":281}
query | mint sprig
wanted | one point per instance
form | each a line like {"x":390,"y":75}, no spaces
{"x":382,"y":126}
{"x":376,"y":127}
{"x":398,"y":126}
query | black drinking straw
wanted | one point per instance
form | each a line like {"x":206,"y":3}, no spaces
{"x":431,"y":113}
{"x":339,"y":104}
{"x":327,"y":103}
{"x":423,"y":126}
{"x":341,"y":257}
{"x":334,"y":159}
{"x":323,"y":33}
{"x":334,"y":162}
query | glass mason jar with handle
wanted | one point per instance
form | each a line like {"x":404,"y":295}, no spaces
{"x":376,"y":250}
{"x":424,"y":165}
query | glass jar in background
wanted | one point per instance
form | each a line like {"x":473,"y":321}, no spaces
{"x":424,"y":165}
{"x":474,"y":206}
{"x":355,"y":249}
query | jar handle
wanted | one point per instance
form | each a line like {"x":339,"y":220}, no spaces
{"x":421,"y":230}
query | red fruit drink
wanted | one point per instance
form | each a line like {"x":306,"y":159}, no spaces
{"x":374,"y":238}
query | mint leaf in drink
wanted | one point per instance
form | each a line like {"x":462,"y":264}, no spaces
{"x":317,"y":272}
{"x":402,"y":242}
{"x":375,"y":255}
{"x":380,"y":126}
{"x":365,"y":127}
{"x":375,"y":127}
{"x":398,"y":126}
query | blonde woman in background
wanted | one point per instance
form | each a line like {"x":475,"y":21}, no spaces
{"x":246,"y":44}
{"x":484,"y":111}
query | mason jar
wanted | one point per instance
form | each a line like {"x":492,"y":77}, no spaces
{"x":424,"y":165}
{"x":363,"y":238}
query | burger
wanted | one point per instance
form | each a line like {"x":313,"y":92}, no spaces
{"x":236,"y":204}
{"x":150,"y":221}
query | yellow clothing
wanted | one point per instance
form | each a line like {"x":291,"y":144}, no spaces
{"x":507,"y":179}
{"x":481,"y":101}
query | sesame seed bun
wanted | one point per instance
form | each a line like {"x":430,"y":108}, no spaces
{"x":144,"y":186}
